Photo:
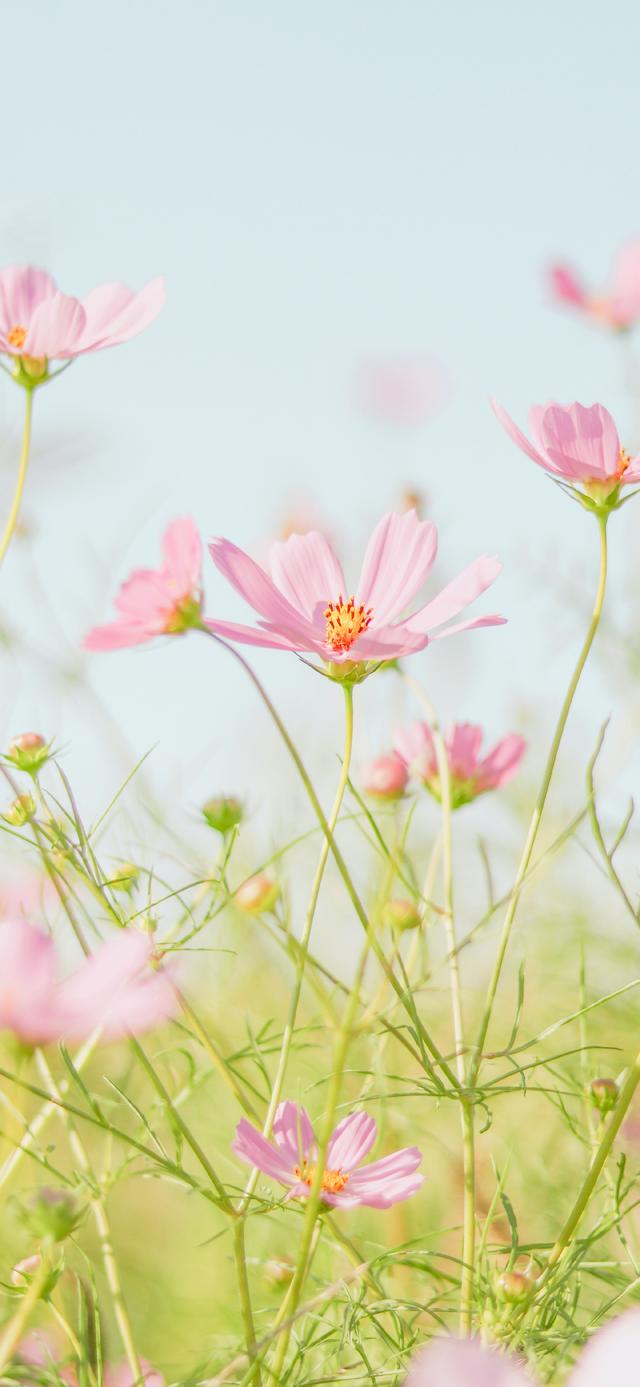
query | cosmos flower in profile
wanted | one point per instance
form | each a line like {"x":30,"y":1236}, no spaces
{"x":38,"y":322}
{"x":471,"y":773}
{"x":162,"y":601}
{"x":577,"y":444}
{"x":618,"y":306}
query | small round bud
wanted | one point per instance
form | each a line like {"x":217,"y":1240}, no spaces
{"x":257,"y":894}
{"x":125,"y":878}
{"x":52,"y":1214}
{"x":603,"y":1093}
{"x":23,"y":1273}
{"x":401,"y":914}
{"x":385,"y":778}
{"x":279,"y":1271}
{"x":28,"y":752}
{"x":19,"y":813}
{"x":515,"y":1285}
{"x":223,"y":813}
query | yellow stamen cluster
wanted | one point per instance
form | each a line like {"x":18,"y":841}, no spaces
{"x":345,"y":622}
{"x":333,"y":1181}
{"x":624,"y":458}
{"x":17,"y":336}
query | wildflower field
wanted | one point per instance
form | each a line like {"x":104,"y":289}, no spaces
{"x":319,"y":909}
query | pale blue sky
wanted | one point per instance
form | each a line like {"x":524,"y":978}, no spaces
{"x":318,"y":183}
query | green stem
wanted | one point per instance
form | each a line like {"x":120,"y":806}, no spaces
{"x":245,"y":1297}
{"x":14,"y":1330}
{"x":540,"y":803}
{"x":22,"y":473}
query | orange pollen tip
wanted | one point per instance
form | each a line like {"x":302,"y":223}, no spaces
{"x":17,"y":336}
{"x":345,"y":622}
{"x":624,"y":458}
{"x":333,"y":1181}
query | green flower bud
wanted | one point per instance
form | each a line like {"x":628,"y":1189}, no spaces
{"x":125,"y":878}
{"x":19,"y":813}
{"x":515,"y":1285}
{"x":257,"y":894}
{"x":401,"y":914}
{"x":604,"y":1094}
{"x":223,"y":813}
{"x":28,"y":752}
{"x":52,"y":1214}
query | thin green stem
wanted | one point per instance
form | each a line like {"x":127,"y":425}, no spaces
{"x":12,"y":519}
{"x":534,"y":826}
{"x":14,"y":1330}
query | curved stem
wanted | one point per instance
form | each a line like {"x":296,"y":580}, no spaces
{"x":22,"y":472}
{"x":540,"y":802}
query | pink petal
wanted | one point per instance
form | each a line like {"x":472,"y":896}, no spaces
{"x":463,"y":744}
{"x":27,"y":979}
{"x":383,"y":643}
{"x":55,"y":328}
{"x":457,"y":594}
{"x":144,"y":597}
{"x":307,"y":572}
{"x":399,"y":1163}
{"x":415,"y":746}
{"x":256,"y":586}
{"x":117,"y":989}
{"x":475,"y":624}
{"x":465,"y":1363}
{"x":22,"y":288}
{"x":293,"y":1133}
{"x":351,"y":1141}
{"x":250,"y":1145}
{"x":611,"y":1356}
{"x":378,"y":1194}
{"x":566,"y":286}
{"x":116,"y":635}
{"x":520,"y":438}
{"x":502,"y":762}
{"x":115,"y":314}
{"x":183,"y":556}
{"x":398,"y":559}
{"x":625,"y":286}
{"x":269,"y":638}
{"x":585,"y":438}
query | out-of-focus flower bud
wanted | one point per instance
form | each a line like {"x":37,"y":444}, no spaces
{"x":52,"y":1214}
{"x":515,"y":1285}
{"x":23,"y":1273}
{"x":28,"y":752}
{"x":401,"y":914}
{"x":385,"y":778}
{"x":125,"y":878}
{"x":257,"y":894}
{"x":279,"y":1271}
{"x":604,"y":1094}
{"x":223,"y":813}
{"x":19,"y":813}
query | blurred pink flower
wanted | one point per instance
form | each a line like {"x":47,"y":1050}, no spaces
{"x":403,"y":390}
{"x":157,"y":601}
{"x":470,"y":774}
{"x":115,"y":989}
{"x":38,"y":321}
{"x":290,"y":1159}
{"x":575,"y":442}
{"x":610,"y":1359}
{"x":385,"y":778}
{"x":619,"y":307}
{"x":303,"y":607}
{"x":25,"y":896}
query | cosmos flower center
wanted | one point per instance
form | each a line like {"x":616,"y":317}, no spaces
{"x":184,"y":614}
{"x":345,"y":622}
{"x":17,"y":336}
{"x":333,"y":1181}
{"x":624,"y":458}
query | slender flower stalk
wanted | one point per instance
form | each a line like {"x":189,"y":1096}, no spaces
{"x":13,"y":1331}
{"x":541,"y":800}
{"x":14,"y":512}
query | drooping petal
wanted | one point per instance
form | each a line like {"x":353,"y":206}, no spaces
{"x":55,"y":328}
{"x":492,"y":620}
{"x":22,"y":288}
{"x":398,"y":559}
{"x":502,"y":762}
{"x":520,"y":438}
{"x":457,"y":594}
{"x":183,"y":555}
{"x":116,"y":635}
{"x":256,"y":586}
{"x":263,"y":635}
{"x":307,"y":572}
{"x":566,"y":287}
{"x":250,"y":1145}
{"x":293,"y":1133}
{"x":611,"y":1356}
{"x":465,"y":1363}
{"x":352,"y":1139}
{"x":115,"y":313}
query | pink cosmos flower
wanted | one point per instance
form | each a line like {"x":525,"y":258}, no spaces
{"x":157,"y":601}
{"x":22,"y":897}
{"x":290,"y":1159}
{"x":38,"y":321}
{"x":115,"y":989}
{"x":471,"y":775}
{"x":577,"y":443}
{"x":403,"y":390}
{"x":620,"y":306}
{"x":302,"y":602}
{"x":385,"y":778}
{"x":610,"y":1359}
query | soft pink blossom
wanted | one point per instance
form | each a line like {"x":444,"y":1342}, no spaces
{"x":22,"y":897}
{"x":471,"y":773}
{"x":577,"y":443}
{"x":619,"y":305}
{"x":157,"y":601}
{"x":116,"y":989}
{"x":385,"y":778}
{"x":405,"y":390}
{"x":303,"y":604}
{"x":40,"y":322}
{"x":290,"y":1158}
{"x":610,"y":1359}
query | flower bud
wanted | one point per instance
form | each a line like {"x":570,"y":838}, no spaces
{"x":515,"y":1285}
{"x":257,"y":894}
{"x":385,"y":778}
{"x":23,"y":1273}
{"x":604,"y":1094}
{"x":223,"y":813}
{"x":28,"y":752}
{"x":19,"y":813}
{"x":125,"y":878}
{"x":279,"y":1271}
{"x":52,"y":1214}
{"x":401,"y":914}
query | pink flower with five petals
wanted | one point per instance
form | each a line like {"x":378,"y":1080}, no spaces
{"x":291,"y":1157}
{"x":157,"y":601}
{"x":38,"y":321}
{"x":471,"y":773}
{"x":303,"y":603}
{"x":577,"y":444}
{"x":619,"y":307}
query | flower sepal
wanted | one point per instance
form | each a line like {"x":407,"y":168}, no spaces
{"x":30,"y":371}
